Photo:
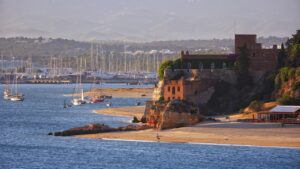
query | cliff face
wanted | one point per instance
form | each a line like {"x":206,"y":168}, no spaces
{"x":178,"y":115}
{"x":173,"y":114}
{"x":158,"y":90}
{"x":290,"y":87}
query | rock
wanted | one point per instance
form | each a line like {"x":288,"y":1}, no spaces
{"x":179,"y":115}
{"x":88,"y":129}
{"x":99,"y":128}
{"x":135,"y":120}
{"x":172,"y":115}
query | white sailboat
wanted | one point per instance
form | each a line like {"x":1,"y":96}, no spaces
{"x":7,"y":89}
{"x":76,"y":101}
{"x":79,"y":101}
{"x":16,"y":96}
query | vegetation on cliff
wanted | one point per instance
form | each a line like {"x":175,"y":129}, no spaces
{"x":168,"y":64}
{"x":287,"y":80}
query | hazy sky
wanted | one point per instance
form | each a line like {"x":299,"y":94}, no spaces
{"x":146,"y":20}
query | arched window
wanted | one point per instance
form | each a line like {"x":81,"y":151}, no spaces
{"x":200,"y":66}
{"x":189,"y":65}
{"x":224,"y":66}
{"x":212,"y":66}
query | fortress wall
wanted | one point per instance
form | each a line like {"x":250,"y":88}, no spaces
{"x":227,"y":75}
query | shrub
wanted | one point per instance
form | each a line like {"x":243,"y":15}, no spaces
{"x":292,"y":72}
{"x":256,"y":105}
{"x":166,"y":64}
{"x":288,"y":100}
{"x":161,"y":98}
{"x":297,"y":71}
{"x":277,"y":82}
{"x":176,"y":64}
{"x":283,"y":73}
{"x":296,"y":86}
{"x":135,"y":120}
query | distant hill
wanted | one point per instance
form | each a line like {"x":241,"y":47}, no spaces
{"x":38,"y":48}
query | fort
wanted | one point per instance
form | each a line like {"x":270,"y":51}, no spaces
{"x":195,"y":81}
{"x":199,"y":73}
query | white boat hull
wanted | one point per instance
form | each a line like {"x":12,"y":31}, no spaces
{"x":77,"y":102}
{"x":16,"y":98}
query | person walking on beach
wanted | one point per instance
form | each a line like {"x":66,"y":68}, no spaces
{"x":157,"y":137}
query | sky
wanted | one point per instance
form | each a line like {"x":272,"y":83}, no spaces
{"x":148,"y":20}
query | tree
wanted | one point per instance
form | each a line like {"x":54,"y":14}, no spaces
{"x":176,"y":64}
{"x":163,"y":66}
{"x":282,"y":56}
{"x":293,"y":47}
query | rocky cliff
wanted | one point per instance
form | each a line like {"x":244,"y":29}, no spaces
{"x":164,"y":115}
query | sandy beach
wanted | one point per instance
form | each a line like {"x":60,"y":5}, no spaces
{"x":120,"y":92}
{"x":224,"y":132}
{"x":217,"y":133}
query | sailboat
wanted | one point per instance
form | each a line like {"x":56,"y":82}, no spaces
{"x":79,"y":101}
{"x":95,"y":98}
{"x":78,"y":88}
{"x":16,"y":96}
{"x":7,"y":89}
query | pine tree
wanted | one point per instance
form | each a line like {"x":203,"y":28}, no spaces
{"x":282,"y":56}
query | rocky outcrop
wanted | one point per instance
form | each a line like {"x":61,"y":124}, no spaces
{"x":165,"y":115}
{"x":98,"y":128}
{"x":179,"y":114}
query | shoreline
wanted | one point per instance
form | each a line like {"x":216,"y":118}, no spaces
{"x":197,"y":135}
{"x":196,"y":143}
{"x":223,"y":132}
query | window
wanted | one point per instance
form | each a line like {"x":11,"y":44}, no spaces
{"x":173,"y":98}
{"x":173,"y":90}
{"x":178,"y":89}
{"x":224,"y":65}
{"x":189,"y":65}
{"x":169,"y":98}
{"x":212,"y":66}
{"x":169,"y":88}
{"x":200,"y":66}
{"x":196,"y":92}
{"x":178,"y":98}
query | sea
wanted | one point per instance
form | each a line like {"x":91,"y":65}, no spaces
{"x":25,"y":143}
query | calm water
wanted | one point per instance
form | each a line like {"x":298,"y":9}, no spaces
{"x":24,"y":142}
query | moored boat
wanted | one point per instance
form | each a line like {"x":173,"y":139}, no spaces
{"x":18,"y":97}
{"x":96,"y":99}
{"x":108,"y":104}
{"x":6,"y":94}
